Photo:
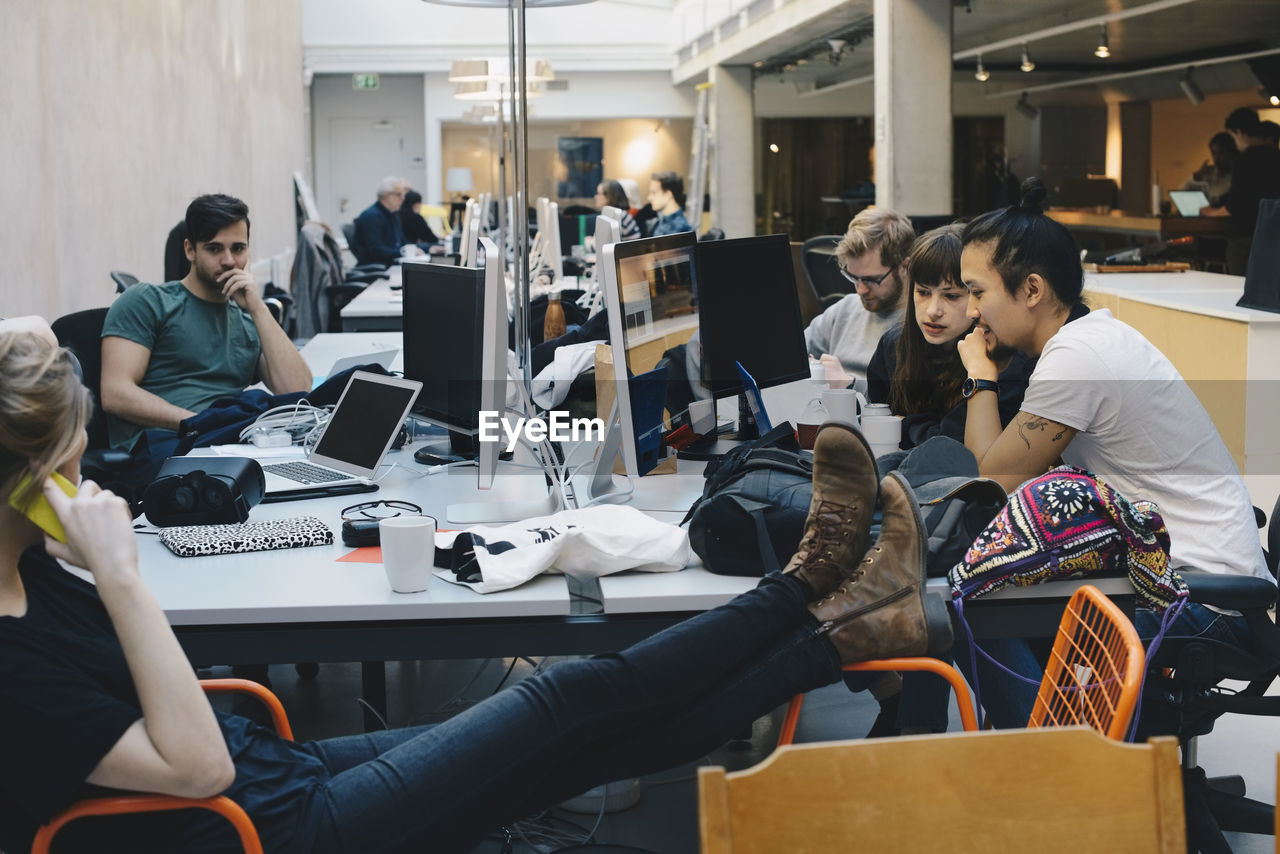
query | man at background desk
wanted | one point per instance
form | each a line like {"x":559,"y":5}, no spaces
{"x":871,"y":256}
{"x":379,"y":235}
{"x":168,"y":351}
{"x":1255,"y":176}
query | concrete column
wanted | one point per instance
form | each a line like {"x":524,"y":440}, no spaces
{"x":732,"y":182}
{"x":913,"y":105}
{"x":436,"y":95}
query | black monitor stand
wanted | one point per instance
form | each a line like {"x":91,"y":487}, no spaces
{"x":720,"y":443}
{"x":460,"y":447}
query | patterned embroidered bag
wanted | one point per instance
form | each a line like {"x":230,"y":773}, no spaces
{"x":1066,"y":524}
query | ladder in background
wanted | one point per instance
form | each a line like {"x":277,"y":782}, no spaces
{"x":700,"y":148}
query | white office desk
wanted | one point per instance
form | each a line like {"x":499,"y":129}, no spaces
{"x":377,"y":307}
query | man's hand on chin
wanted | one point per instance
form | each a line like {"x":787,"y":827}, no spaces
{"x":240,"y":286}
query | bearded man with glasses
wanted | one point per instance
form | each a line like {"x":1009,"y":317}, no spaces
{"x":872,"y":256}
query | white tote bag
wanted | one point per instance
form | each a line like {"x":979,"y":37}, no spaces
{"x":591,"y":542}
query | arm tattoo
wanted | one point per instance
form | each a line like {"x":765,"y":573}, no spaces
{"x":1037,"y":423}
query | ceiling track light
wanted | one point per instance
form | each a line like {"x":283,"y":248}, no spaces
{"x":1023,"y":106}
{"x":1027,"y":65}
{"x":1189,"y":88}
{"x":1269,"y":96}
{"x":982,"y":75}
{"x":1103,"y":50}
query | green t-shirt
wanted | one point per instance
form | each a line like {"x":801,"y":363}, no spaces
{"x":200,"y":351}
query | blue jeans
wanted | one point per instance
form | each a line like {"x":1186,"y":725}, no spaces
{"x":1008,"y":702}
{"x":664,"y":701}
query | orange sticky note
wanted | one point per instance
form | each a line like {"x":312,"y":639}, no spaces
{"x":364,"y":554}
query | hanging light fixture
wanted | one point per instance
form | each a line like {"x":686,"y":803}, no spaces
{"x":494,"y":68}
{"x":1027,"y":64}
{"x":491,"y":90}
{"x":982,"y":75}
{"x":1025,"y":107}
{"x":1189,"y":88}
{"x":1103,"y":50}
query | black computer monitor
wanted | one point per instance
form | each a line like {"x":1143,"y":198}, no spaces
{"x":455,"y":337}
{"x":574,"y":230}
{"x":749,"y":313}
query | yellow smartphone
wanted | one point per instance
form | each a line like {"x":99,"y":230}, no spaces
{"x":41,"y":511}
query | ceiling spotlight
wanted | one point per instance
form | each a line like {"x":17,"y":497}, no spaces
{"x":1190,"y":89}
{"x":1275,"y":100}
{"x":1024,"y":107}
{"x":1027,"y":64}
{"x":1103,"y":50}
{"x":982,"y":75}
{"x":1269,"y":96}
{"x":773,"y":146}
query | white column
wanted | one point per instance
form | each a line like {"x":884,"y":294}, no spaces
{"x":436,"y":99}
{"x":732,"y":172}
{"x":913,"y":105}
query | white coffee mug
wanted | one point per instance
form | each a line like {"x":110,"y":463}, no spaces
{"x":408,"y":551}
{"x":882,"y":429}
{"x":842,"y":404}
{"x":875,"y":409}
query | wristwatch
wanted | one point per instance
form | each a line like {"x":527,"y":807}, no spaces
{"x":972,"y":387}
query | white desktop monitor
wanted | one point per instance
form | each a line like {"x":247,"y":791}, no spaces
{"x":550,"y":237}
{"x":627,"y":271}
{"x":470,"y":233}
{"x":608,"y":231}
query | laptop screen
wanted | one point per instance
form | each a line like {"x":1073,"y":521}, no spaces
{"x":1188,"y":202}
{"x":365,"y":421}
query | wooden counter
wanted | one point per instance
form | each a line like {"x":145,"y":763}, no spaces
{"x":1230,"y":356}
{"x":1140,"y":225}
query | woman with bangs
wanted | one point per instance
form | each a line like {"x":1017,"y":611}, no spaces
{"x":917,"y":368}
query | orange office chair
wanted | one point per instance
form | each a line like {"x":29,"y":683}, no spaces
{"x":1093,"y":677}
{"x":224,"y":806}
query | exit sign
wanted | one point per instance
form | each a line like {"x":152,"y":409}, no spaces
{"x":364,"y":81}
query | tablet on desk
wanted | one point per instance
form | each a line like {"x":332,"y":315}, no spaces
{"x":1189,"y":202}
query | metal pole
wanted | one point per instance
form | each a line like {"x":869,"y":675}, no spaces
{"x":519,"y":117}
{"x":502,"y":183}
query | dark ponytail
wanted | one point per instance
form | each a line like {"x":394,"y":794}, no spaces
{"x":1024,"y":241}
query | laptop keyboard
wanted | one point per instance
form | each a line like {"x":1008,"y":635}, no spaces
{"x":305,"y":472}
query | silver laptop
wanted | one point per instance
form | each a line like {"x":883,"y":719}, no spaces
{"x":384,"y":358}
{"x":1188,"y":202}
{"x":356,"y":438}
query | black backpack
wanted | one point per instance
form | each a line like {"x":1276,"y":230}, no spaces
{"x":751,"y":515}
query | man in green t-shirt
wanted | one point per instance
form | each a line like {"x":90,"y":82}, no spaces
{"x":170,"y":350}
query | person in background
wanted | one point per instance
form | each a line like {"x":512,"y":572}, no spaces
{"x":916,"y":368}
{"x":412,"y":223}
{"x":1271,"y":132}
{"x":98,"y":694}
{"x":611,"y":193}
{"x":1101,"y":398}
{"x":872,"y":257}
{"x":1214,"y":175}
{"x":1255,"y":176}
{"x":666,"y":194}
{"x":632,"y":189}
{"x":379,"y":237}
{"x":170,"y":350}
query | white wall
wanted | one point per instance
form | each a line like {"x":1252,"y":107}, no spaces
{"x":346,"y":175}
{"x":116,"y":113}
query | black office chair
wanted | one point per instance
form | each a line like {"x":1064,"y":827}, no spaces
{"x":123,"y":280}
{"x":1187,"y":699}
{"x":921,"y":224}
{"x":822,"y":270}
{"x":713,"y":233}
{"x":176,"y":265}
{"x":81,"y":333}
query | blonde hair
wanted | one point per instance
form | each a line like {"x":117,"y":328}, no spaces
{"x":43,"y":409}
{"x":877,"y":228}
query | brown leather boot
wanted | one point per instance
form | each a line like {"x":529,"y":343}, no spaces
{"x":882,"y":611}
{"x":838,"y":529}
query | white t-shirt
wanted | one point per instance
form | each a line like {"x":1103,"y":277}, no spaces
{"x":1140,"y":428}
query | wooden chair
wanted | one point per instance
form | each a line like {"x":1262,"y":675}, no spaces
{"x":1093,"y":677}
{"x":1053,"y":791}
{"x":224,"y":806}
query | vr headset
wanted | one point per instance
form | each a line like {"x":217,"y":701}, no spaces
{"x":204,"y":491}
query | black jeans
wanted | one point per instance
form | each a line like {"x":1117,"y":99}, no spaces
{"x":665,"y":701}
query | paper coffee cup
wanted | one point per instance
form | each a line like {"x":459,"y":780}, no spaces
{"x":408,"y":551}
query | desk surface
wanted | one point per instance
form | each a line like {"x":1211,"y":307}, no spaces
{"x":1192,"y":291}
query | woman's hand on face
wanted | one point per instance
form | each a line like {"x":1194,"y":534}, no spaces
{"x":973,"y":353}
{"x":99,"y":528}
